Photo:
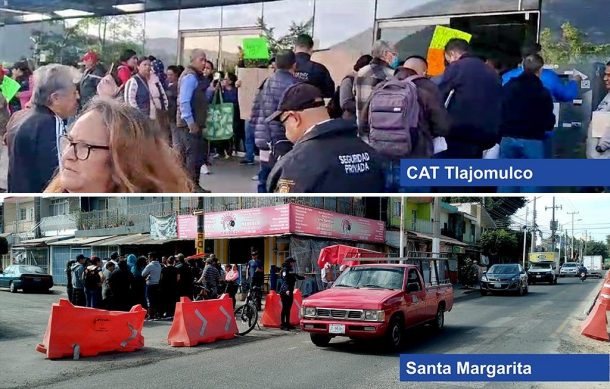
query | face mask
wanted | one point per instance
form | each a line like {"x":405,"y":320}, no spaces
{"x":395,"y":62}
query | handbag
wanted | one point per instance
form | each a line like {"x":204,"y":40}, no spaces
{"x":219,"y":125}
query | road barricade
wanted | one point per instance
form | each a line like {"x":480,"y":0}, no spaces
{"x":205,"y":321}
{"x":596,"y":324}
{"x":78,"y":331}
{"x":273,"y":310}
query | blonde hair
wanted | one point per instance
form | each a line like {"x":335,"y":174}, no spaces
{"x":141,"y":159}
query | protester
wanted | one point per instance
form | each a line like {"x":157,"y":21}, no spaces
{"x":347,"y":99}
{"x":78,"y":286}
{"x":210,"y":279}
{"x":144,"y":92}
{"x":152,"y":274}
{"x":173,"y":74}
{"x":343,"y":163}
{"x":385,"y":60}
{"x":560,"y":91}
{"x":289,"y":280}
{"x":69,"y":287}
{"x":225,"y":89}
{"x":138,"y":286}
{"x":309,"y":71}
{"x":128,"y":66}
{"x":169,"y":287}
{"x":527,"y":113}
{"x":185,"y":278}
{"x":131,"y":262}
{"x":93,"y":74}
{"x":414,"y":142}
{"x":270,"y":136}
{"x":231,"y":279}
{"x":108,"y":151}
{"x":120,"y":281}
{"x":158,"y":69}
{"x":92,"y":278}
{"x":34,"y":146}
{"x":23,"y":75}
{"x":4,"y":110}
{"x":109,"y":267}
{"x":474,"y":92}
{"x":208,"y":71}
{"x":192,"y":116}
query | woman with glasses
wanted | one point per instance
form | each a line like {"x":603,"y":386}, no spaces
{"x":113,"y":148}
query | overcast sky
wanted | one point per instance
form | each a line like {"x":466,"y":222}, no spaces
{"x":593,"y":214}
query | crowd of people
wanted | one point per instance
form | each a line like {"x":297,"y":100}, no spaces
{"x":310,"y":136}
{"x":120,"y":282}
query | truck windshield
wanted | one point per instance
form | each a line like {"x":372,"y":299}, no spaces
{"x":372,"y":277}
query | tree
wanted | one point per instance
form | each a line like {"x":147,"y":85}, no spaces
{"x":501,"y":245}
{"x":597,"y":248}
{"x":285,"y":42}
{"x":571,"y":46}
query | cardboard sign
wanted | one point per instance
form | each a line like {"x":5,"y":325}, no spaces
{"x":256,"y":48}
{"x":9,"y":88}
{"x":436,"y":52}
{"x":250,"y":81}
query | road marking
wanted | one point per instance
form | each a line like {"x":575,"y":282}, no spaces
{"x":204,"y":322}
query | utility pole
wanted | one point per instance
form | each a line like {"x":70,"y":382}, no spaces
{"x":534,"y":228}
{"x":436,"y":236}
{"x":402,"y":242}
{"x":584,"y":252}
{"x":200,"y":231}
{"x":572,"y":213}
{"x":525,"y":236}
{"x":553,"y":223}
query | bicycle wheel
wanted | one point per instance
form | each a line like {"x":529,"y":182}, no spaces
{"x":246,"y":317}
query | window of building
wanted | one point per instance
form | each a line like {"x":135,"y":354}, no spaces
{"x":396,"y":208}
{"x":387,"y":9}
{"x":285,"y":15}
{"x":59,"y":207}
{"x":413,"y":219}
{"x":22,"y":214}
{"x":242,"y":15}
{"x":200,"y":18}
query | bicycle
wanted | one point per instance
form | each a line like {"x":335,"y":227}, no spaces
{"x":246,"y":316}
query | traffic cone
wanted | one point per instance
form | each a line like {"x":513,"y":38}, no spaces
{"x":596,"y":325}
{"x":604,"y":296}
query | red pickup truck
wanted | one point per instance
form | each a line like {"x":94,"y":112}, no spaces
{"x":376,"y":301}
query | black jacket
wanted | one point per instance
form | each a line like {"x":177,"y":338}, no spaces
{"x":33,"y":151}
{"x":314,"y":73}
{"x":475,"y":108}
{"x":330,"y":158}
{"x":289,"y":279}
{"x":88,"y":83}
{"x":527,"y":108}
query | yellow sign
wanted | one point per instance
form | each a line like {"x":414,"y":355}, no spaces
{"x":436,"y":51}
{"x":543,"y":257}
{"x":200,"y":243}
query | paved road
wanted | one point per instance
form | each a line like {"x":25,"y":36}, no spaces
{"x":543,"y":322}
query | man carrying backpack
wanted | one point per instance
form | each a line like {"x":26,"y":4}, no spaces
{"x":327,"y":156}
{"x":92,"y":278}
{"x":423,"y":118}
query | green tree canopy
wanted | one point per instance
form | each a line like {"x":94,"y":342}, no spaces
{"x":571,"y":46}
{"x":597,"y":248}
{"x":503,"y":245}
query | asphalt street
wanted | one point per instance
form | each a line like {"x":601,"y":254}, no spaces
{"x":545,"y":321}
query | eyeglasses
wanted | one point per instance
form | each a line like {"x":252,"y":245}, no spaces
{"x":285,"y":118}
{"x":81,"y":150}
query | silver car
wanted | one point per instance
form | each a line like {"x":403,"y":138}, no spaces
{"x":569,"y":269}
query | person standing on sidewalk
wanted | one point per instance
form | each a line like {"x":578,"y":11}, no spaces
{"x":309,"y":71}
{"x":152,"y":274}
{"x":92,"y":278}
{"x":191,"y":117}
{"x":169,"y":287}
{"x":78,"y":287}
{"x":69,"y":287}
{"x":289,"y":279}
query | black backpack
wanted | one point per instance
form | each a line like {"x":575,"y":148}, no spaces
{"x":334,"y":105}
{"x":92,"y":278}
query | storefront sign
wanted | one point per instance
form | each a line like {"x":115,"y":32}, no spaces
{"x":187,"y":226}
{"x":283,"y":219}
{"x":318,"y":222}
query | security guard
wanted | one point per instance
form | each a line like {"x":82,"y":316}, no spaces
{"x":289,"y":279}
{"x":327,"y":156}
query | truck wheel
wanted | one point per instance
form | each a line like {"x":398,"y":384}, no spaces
{"x":320,"y":340}
{"x":439,"y":319}
{"x":394,"y":334}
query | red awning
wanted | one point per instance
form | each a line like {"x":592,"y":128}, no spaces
{"x":198,"y":256}
{"x":345,"y":255}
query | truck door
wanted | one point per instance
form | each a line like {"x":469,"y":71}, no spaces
{"x":416,"y":298}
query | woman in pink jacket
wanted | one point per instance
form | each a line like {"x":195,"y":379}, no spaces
{"x":232,"y":281}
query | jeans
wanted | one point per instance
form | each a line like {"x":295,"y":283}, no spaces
{"x":286,"y":307}
{"x":93,"y":297}
{"x":249,"y":142}
{"x":515,"y":148}
{"x":263,"y":174}
{"x":152,"y":297}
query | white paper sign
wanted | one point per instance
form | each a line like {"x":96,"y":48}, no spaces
{"x":600,"y":124}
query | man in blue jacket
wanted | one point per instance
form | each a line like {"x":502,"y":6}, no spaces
{"x":561,"y":92}
{"x":270,"y":137}
{"x":34,"y":147}
{"x":311,"y":72}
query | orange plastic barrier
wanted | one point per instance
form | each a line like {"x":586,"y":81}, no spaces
{"x":78,"y":331}
{"x":596,"y":325}
{"x":202,"y":322}
{"x":272,"y":314}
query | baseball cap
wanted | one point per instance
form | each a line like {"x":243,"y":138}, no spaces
{"x":90,"y":56}
{"x":298,"y":97}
